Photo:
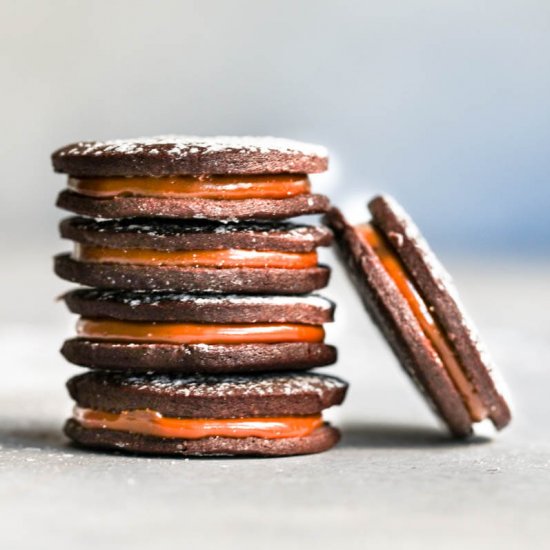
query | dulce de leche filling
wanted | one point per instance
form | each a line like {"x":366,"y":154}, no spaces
{"x":153,"y":423}
{"x":228,"y":258}
{"x":196,"y":333}
{"x":420,"y":310}
{"x":279,"y":186}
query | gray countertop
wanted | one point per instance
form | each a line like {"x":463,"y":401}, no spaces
{"x":395,"y":481}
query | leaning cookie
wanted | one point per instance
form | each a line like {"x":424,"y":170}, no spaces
{"x":219,"y":178}
{"x":194,"y":256}
{"x":184,"y":333}
{"x":262,"y":415}
{"x":410,"y":297}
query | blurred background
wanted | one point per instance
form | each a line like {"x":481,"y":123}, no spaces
{"x":444,"y":104}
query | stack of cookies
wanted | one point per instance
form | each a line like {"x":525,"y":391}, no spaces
{"x":200,"y":323}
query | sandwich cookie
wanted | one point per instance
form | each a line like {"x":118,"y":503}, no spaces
{"x":194,"y":256}
{"x":261,"y":415}
{"x":414,"y":303}
{"x":219,"y":178}
{"x":183,"y":333}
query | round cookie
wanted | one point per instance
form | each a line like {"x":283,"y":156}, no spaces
{"x":203,"y":309}
{"x":192,"y":279}
{"x":166,"y":234}
{"x":258,"y":395}
{"x":199,"y":162}
{"x":197,"y":358}
{"x":322,"y":439}
{"x":291,"y":242}
{"x":189,"y":155}
{"x":169,"y":306}
{"x":430,"y":356}
{"x":439,"y":291}
{"x":190,"y":208}
{"x":389,"y":311}
{"x":249,"y":397}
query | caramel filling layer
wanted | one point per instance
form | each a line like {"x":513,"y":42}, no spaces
{"x":195,"y":333}
{"x":420,"y":310}
{"x":152,"y":423}
{"x":205,"y":187}
{"x":232,"y":257}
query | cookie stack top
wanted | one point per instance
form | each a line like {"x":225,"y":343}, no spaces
{"x":190,"y":155}
{"x":249,"y":177}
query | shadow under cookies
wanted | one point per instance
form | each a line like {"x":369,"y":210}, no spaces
{"x":40,"y":436}
{"x":49,"y":436}
{"x":401,"y":436}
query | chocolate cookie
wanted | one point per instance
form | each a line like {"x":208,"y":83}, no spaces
{"x":165,"y":331}
{"x":197,"y":358}
{"x":263,"y":415}
{"x":166,"y":234}
{"x":168,"y":306}
{"x":221,"y":178}
{"x":191,"y":208}
{"x":196,"y":256}
{"x":192,"y":279}
{"x":410,"y":298}
{"x":260,"y":395}
{"x":189,"y":155}
{"x":320,"y":440}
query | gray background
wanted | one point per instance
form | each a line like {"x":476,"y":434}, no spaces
{"x":444,"y":104}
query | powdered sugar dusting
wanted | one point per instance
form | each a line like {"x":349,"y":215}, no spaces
{"x":179,"y":146}
{"x":445,"y":284}
{"x":223,"y":386}
{"x":136,"y":298}
{"x":439,"y":273}
{"x":159,"y":227}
